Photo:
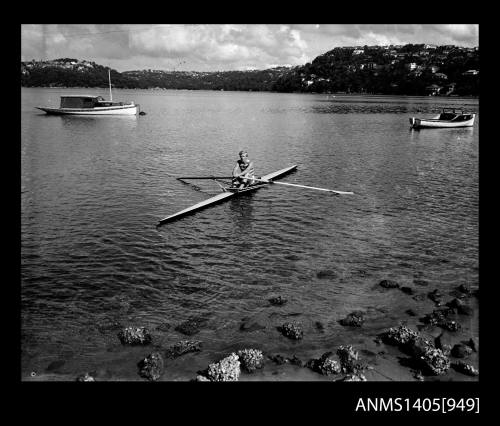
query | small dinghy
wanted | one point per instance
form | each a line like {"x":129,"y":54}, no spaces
{"x":448,"y":118}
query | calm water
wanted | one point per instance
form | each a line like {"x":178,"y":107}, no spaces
{"x":92,"y":190}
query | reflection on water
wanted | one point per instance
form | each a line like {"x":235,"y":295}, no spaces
{"x":241,"y":209}
{"x":450,"y":134}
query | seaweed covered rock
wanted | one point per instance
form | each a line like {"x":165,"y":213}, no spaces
{"x":418,"y":346}
{"x":354,"y":377}
{"x":277,"y":301}
{"x":295,"y":360}
{"x":441,"y":318}
{"x":107,"y":324}
{"x":389,"y":284}
{"x":226,"y":370}
{"x":400,"y":335}
{"x":349,"y":359}
{"x":325,"y":364}
{"x":151,"y":367}
{"x":422,"y":350}
{"x":407,"y":290}
{"x":354,"y":319}
{"x":464,"y":368}
{"x":250,"y":359}
{"x":278,"y":359}
{"x":85,"y":378}
{"x":435,"y":361}
{"x":183,"y":347}
{"x":191,"y":326}
{"x":291,"y":330}
{"x":135,"y":336}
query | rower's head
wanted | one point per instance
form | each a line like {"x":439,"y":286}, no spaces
{"x":243,"y":154}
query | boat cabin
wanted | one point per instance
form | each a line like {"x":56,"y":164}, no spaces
{"x":451,"y":115}
{"x":82,"y":102}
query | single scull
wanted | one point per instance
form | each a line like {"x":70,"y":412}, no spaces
{"x":227,"y":194}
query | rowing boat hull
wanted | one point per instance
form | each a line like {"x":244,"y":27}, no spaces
{"x":434,"y":123}
{"x":225,"y":195}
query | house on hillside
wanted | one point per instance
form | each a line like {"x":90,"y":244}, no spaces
{"x":471,"y":72}
{"x":433,"y":89}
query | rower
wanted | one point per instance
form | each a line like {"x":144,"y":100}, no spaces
{"x":243,"y":171}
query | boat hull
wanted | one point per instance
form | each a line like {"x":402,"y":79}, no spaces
{"x":419,"y":123}
{"x":225,"y":195}
{"x":130,"y":109}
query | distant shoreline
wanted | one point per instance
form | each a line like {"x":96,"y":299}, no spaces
{"x":157,"y":89}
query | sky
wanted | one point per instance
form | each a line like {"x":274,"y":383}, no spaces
{"x":217,"y":47}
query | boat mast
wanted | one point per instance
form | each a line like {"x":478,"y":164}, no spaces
{"x":110,"y":93}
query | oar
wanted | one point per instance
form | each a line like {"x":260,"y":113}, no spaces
{"x":205,"y":177}
{"x":303,"y":186}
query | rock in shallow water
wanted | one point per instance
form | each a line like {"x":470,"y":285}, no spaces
{"x":435,"y":361}
{"x":151,"y":367}
{"x":85,"y":378}
{"x":354,"y":319}
{"x":431,"y":359}
{"x":292,"y":330}
{"x":226,"y":370}
{"x":400,"y":335}
{"x":250,"y":359}
{"x":277,"y":301}
{"x":135,"y":336}
{"x":278,"y":359}
{"x":389,"y":284}
{"x":183,"y":347}
{"x":463,"y":367}
{"x":325,"y":364}
{"x":191,"y":326}
{"x":441,"y":318}
{"x":349,"y":359}
{"x":358,"y":377}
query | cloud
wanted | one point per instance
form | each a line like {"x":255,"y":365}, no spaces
{"x":224,"y":44}
{"x":222,"y":47}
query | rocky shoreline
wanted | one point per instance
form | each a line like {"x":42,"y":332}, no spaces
{"x":433,"y":350}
